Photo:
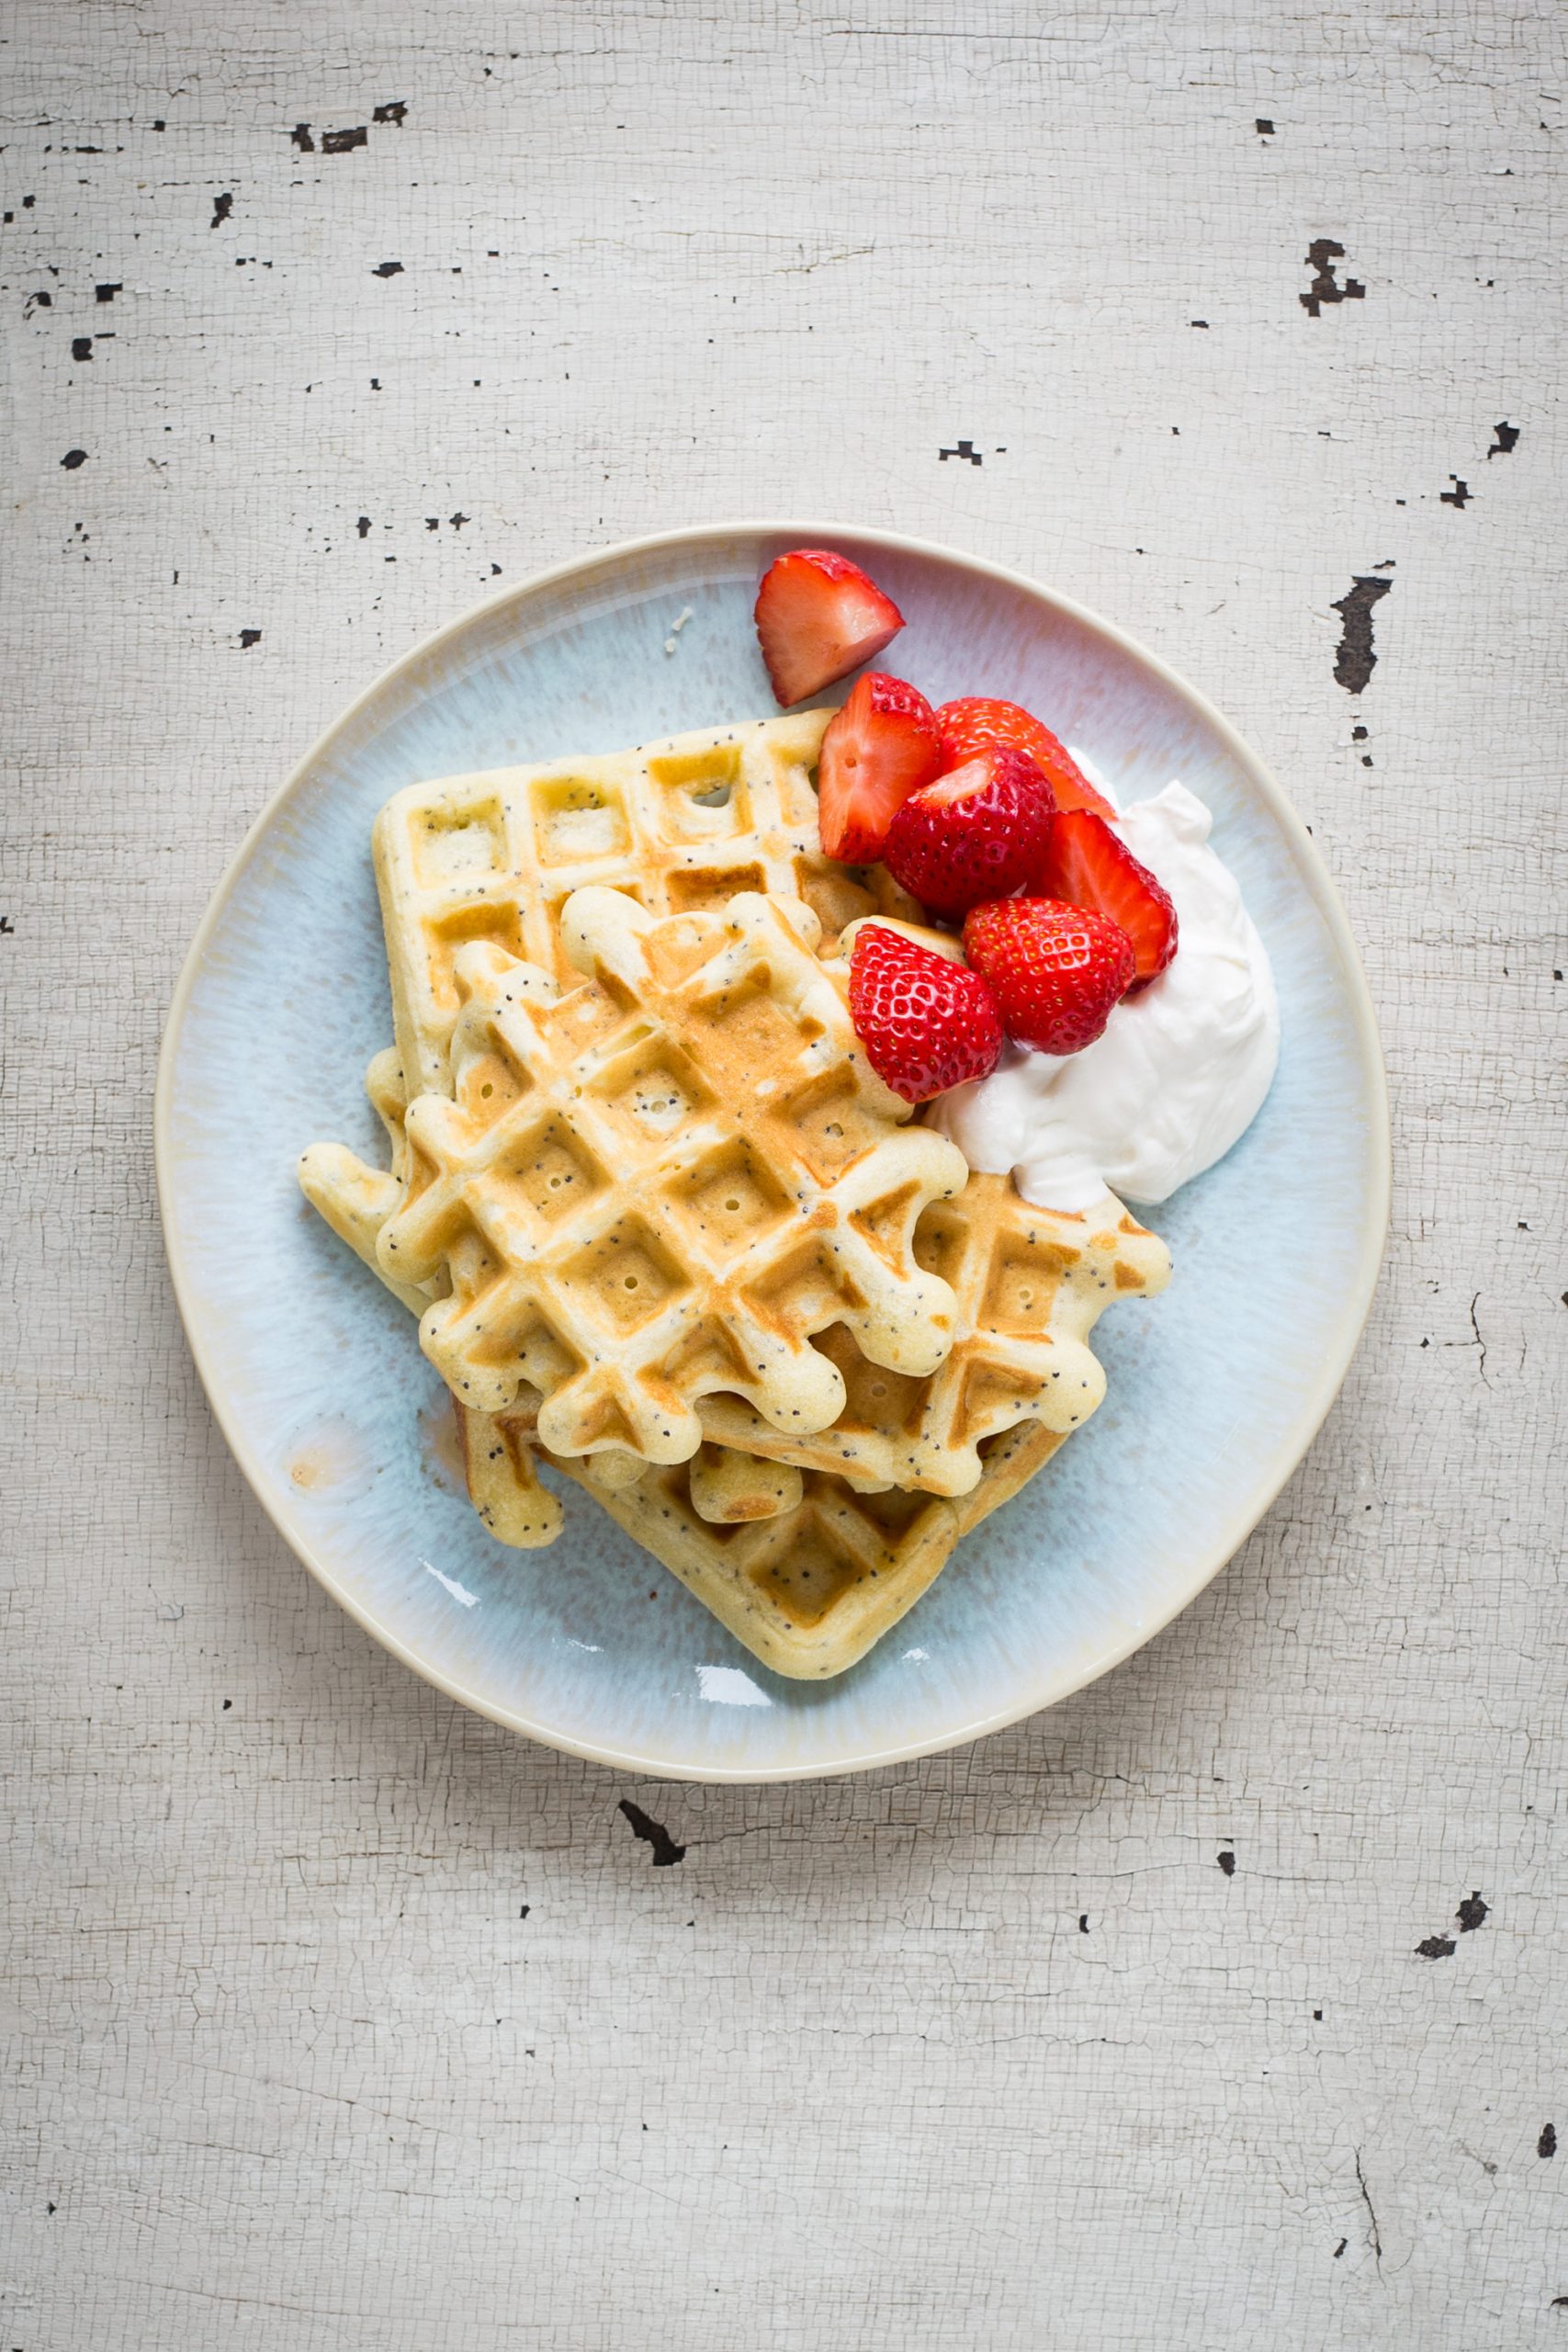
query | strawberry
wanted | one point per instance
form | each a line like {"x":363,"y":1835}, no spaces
{"x":926,"y":1022}
{"x":881,"y":747}
{"x":818,"y":618}
{"x":968,"y":725}
{"x":1088,"y":863}
{"x":1055,"y":970}
{"x":978,"y":832}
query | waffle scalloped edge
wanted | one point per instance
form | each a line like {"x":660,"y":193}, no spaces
{"x":1031,"y":1283}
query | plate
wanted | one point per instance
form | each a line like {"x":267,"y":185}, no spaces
{"x":1215,"y":1390}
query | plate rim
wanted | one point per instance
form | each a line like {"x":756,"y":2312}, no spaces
{"x":1053,"y":1687}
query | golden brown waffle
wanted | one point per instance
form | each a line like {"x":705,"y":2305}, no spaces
{"x":809,"y":1590}
{"x":680,"y":825}
{"x":734,"y":1489}
{"x":1031,"y":1283}
{"x":505,"y":1486}
{"x":355,"y":1199}
{"x":664,"y":1184}
{"x":805,"y":1567}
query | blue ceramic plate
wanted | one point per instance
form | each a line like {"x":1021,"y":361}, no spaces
{"x":315,"y":1372}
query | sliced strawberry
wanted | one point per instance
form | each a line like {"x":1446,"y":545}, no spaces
{"x":977,"y":833}
{"x":818,"y":618}
{"x":926,"y":1022}
{"x":1087,"y":862}
{"x":976,"y":720}
{"x":1055,"y":970}
{"x":881,"y":747}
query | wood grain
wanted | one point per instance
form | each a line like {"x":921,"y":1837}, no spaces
{"x":337,"y":2019}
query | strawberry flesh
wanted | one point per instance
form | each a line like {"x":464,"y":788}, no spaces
{"x":881,"y":747}
{"x":1087,"y":862}
{"x":818,"y":616}
{"x":926,"y":1022}
{"x":977,"y":833}
{"x":969,"y":724}
{"x":1056,"y":971}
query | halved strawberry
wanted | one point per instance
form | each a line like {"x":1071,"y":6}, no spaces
{"x":927,"y":1022}
{"x":977,"y":833}
{"x":881,"y":747}
{"x":1056,"y":971}
{"x":976,"y":720}
{"x":1087,"y":862}
{"x":818,"y":618}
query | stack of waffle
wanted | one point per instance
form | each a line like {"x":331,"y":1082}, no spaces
{"x":663,"y":1225}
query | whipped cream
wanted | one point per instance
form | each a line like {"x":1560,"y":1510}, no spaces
{"x":1181,"y":1069}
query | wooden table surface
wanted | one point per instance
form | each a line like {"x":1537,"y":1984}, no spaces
{"x":1222,"y":2007}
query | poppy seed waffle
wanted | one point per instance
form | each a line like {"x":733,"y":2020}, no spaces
{"x":1031,"y":1283}
{"x":505,"y":1486}
{"x":357,"y":1200}
{"x":663,"y":1184}
{"x":684,"y":824}
{"x":810,"y":1589}
{"x":803,"y":1570}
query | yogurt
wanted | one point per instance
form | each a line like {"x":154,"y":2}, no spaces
{"x":1181,"y":1069}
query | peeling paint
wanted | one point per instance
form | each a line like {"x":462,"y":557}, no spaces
{"x":1355,"y":658}
{"x":1322,"y":255}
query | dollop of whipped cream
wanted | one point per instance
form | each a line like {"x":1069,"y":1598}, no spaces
{"x":1181,"y":1069}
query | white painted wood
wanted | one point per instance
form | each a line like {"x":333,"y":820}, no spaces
{"x":334,"y":2018}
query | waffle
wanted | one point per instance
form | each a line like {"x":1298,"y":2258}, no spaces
{"x":730,"y":1489}
{"x":505,"y":1486}
{"x":663,"y":1184}
{"x":685,"y":824}
{"x":808,"y":1585}
{"x":1031,"y":1283}
{"x":809,"y":1590}
{"x":806,"y":1543}
{"x":355,"y":1199}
